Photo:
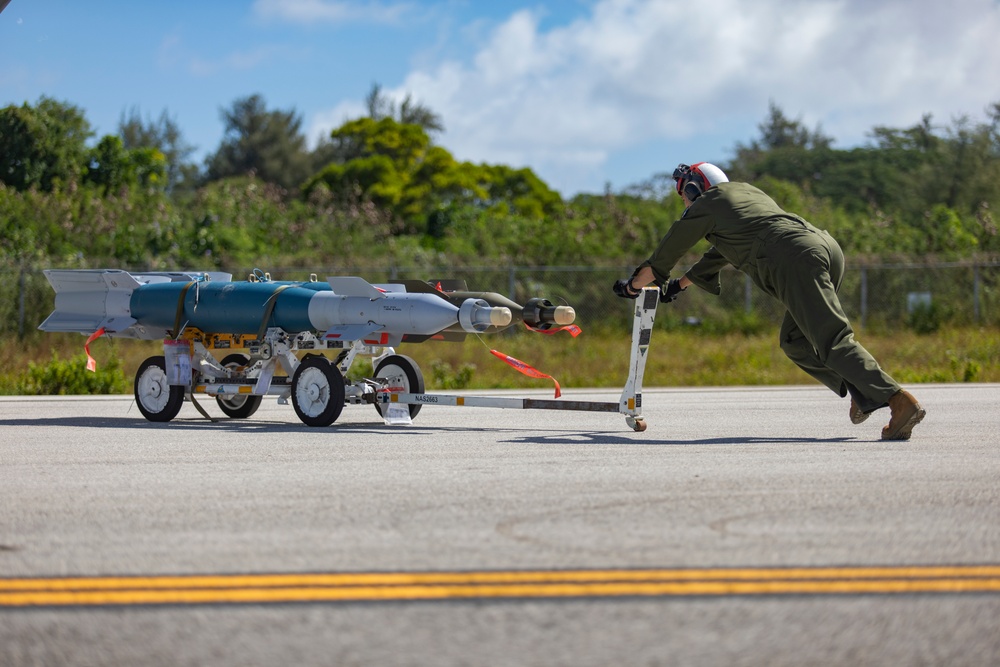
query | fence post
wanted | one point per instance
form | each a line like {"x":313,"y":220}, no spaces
{"x":511,"y":283}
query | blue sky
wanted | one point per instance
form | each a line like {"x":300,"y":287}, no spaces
{"x":585,"y":92}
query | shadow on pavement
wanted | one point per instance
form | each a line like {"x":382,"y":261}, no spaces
{"x":618,"y":439}
{"x":532,"y":437}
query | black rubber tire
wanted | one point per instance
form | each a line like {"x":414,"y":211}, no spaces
{"x":413,"y":382}
{"x":156,"y":400}
{"x":240,"y":406}
{"x":318,"y":391}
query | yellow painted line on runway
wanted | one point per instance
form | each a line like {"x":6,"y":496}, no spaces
{"x":404,"y":586}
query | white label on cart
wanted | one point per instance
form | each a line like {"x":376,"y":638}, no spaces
{"x":397,"y":413}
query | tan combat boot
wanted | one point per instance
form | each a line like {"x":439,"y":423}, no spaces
{"x":906,"y":413}
{"x":857,"y":416}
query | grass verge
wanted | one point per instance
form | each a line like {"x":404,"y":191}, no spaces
{"x":53,"y":363}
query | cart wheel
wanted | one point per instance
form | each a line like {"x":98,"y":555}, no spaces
{"x":239,"y":406}
{"x":317,"y":391}
{"x":404,"y":376}
{"x":157,"y":400}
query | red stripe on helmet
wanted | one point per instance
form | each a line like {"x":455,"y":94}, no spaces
{"x":696,"y":170}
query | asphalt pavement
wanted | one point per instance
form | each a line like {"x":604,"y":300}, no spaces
{"x":745,"y":526}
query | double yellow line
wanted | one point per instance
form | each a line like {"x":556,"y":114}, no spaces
{"x":403,"y":586}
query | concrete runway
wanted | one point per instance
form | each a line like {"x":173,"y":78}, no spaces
{"x":746,"y":526}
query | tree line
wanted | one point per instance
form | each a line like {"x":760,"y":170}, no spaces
{"x":380,"y":191}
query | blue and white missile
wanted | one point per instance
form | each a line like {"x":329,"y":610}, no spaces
{"x":161,"y":304}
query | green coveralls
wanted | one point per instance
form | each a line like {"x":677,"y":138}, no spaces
{"x":791,"y":260}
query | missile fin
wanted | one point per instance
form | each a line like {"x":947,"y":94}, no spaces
{"x":448,"y":336}
{"x":351,"y":332}
{"x":88,"y":299}
{"x":419,"y":287}
{"x":354,"y":286}
{"x":450,"y":284}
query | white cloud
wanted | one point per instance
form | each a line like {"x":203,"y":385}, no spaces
{"x":636,"y":72}
{"x":331,"y":11}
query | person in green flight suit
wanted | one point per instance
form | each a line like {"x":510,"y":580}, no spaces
{"x":798,"y":264}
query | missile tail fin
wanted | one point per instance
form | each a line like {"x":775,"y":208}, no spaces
{"x":87,"y":300}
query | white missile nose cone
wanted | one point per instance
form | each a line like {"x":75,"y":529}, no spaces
{"x":476,"y":315}
{"x":500,"y":316}
{"x":564,"y":315}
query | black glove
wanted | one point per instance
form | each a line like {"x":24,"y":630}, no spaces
{"x":623,"y":288}
{"x":671,"y":291}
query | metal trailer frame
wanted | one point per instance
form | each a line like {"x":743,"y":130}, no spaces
{"x":298,"y":367}
{"x":629,"y":404}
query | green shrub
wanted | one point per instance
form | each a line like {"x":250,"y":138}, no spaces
{"x":70,"y":376}
{"x":445,"y":377}
{"x":925,"y":318}
{"x":361,"y":368}
{"x":965,"y":370}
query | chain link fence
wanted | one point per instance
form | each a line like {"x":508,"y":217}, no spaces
{"x":876,"y":297}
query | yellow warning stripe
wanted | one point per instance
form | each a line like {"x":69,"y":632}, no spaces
{"x":272,"y":588}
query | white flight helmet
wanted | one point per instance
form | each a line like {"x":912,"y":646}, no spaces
{"x":695,"y":179}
